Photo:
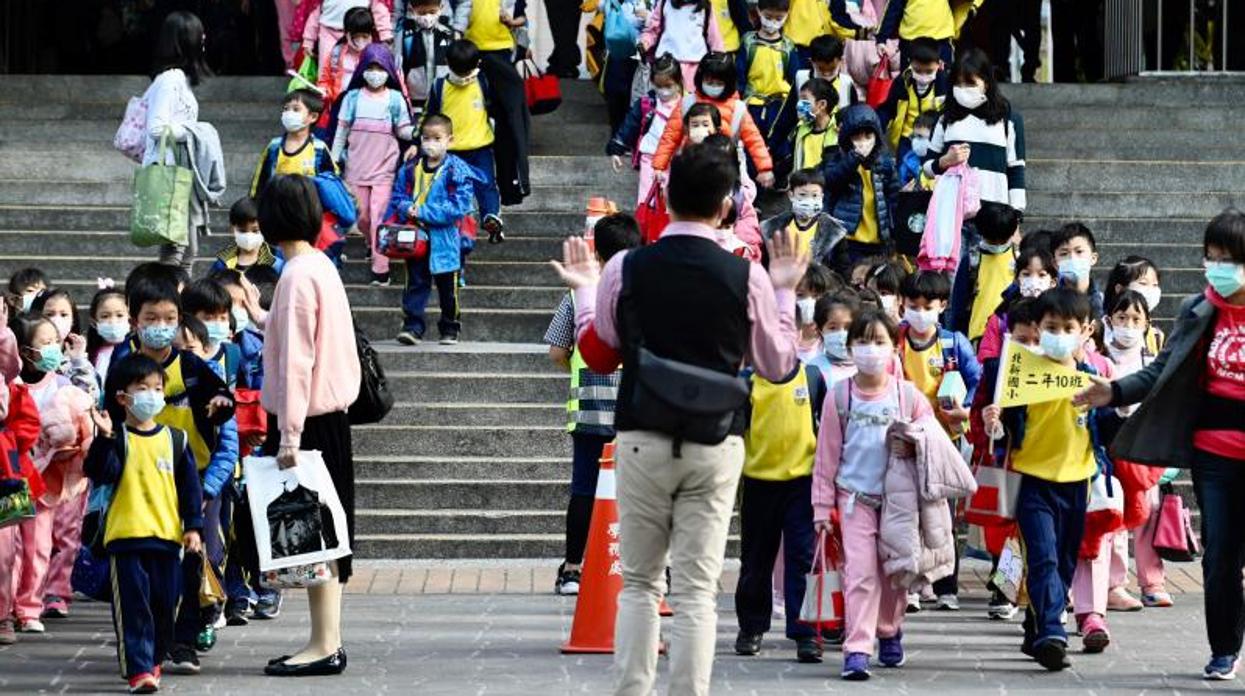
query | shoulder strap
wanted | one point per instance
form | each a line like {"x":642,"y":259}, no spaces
{"x":816,"y":393}
{"x":947,"y":338}
{"x":737,"y":118}
{"x":843,"y":403}
{"x":233,"y":357}
{"x":178,"y":439}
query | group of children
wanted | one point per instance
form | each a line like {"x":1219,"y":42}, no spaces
{"x":129,"y":426}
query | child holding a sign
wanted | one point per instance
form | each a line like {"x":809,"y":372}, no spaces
{"x":1054,"y":446}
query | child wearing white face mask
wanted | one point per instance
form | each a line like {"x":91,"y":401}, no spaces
{"x":833,"y":317}
{"x":817,"y":281}
{"x":337,"y":31}
{"x":861,"y":182}
{"x":818,"y":232}
{"x":249,"y":248}
{"x":1141,"y":275}
{"x":57,"y":306}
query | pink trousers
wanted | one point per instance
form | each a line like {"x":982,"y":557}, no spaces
{"x":9,"y":548}
{"x":66,"y":540}
{"x":1095,"y":578}
{"x":33,"y":545}
{"x":285,"y":16}
{"x":1150,"y":574}
{"x":373,"y":199}
{"x":646,"y":179}
{"x":873,"y":606}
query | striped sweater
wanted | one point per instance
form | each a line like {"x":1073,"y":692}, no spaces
{"x":998,"y":155}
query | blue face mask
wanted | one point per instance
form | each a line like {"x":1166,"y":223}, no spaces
{"x":804,"y":109}
{"x":157,"y":336}
{"x":241,"y":319}
{"x":1075,"y":269}
{"x":113,"y":332}
{"x":145,"y":405}
{"x":50,"y":358}
{"x":1059,"y":346}
{"x":218,"y":331}
{"x":995,"y":248}
{"x":1226,"y":277}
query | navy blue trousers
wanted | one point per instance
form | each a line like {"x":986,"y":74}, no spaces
{"x":1051,"y":517}
{"x":146,"y":586}
{"x":772,"y":512}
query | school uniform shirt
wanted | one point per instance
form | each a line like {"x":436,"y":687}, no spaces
{"x":464,"y":106}
{"x":311,"y":158}
{"x":178,"y":412}
{"x":1057,"y":445}
{"x":485,"y":30}
{"x":780,"y":443}
{"x":810,"y":143}
{"x":808,"y":19}
{"x":867,"y":230}
{"x":914,"y":18}
{"x":684,"y":33}
{"x":767,"y":73}
{"x":804,"y":235}
{"x":147,"y":503}
{"x":923,"y":367}
{"x":994,"y":274}
{"x":726,"y":25}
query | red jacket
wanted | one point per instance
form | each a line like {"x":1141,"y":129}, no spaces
{"x":20,"y":433}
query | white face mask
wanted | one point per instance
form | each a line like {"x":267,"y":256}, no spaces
{"x":375,"y":78}
{"x":888,"y":303}
{"x":666,"y":94}
{"x":713,"y":90}
{"x":460,"y":80}
{"x":920,"y":145}
{"x":806,"y":208}
{"x":835,"y":344}
{"x":697,"y":134}
{"x":63,"y":326}
{"x":292,"y":121}
{"x":426,"y":21}
{"x":969,"y":97}
{"x":1125,"y":337}
{"x":921,"y":320}
{"x":1032,"y":286}
{"x":248,"y":241}
{"x":1152,"y":293}
{"x":433,"y":149}
{"x":864,"y":145}
{"x":804,"y":310}
{"x":772,"y":25}
{"x":924,"y":80}
{"x":871,"y":359}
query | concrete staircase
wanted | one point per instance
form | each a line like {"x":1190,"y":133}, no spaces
{"x":473,"y":462}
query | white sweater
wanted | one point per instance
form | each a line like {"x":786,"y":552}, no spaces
{"x":170,"y":105}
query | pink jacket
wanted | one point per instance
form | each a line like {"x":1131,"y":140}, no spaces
{"x":66,"y":434}
{"x":957,"y":197}
{"x":747,"y":223}
{"x":916,"y":536}
{"x":306,"y":23}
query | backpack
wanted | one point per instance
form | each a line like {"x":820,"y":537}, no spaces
{"x":621,"y":36}
{"x":785,"y":46}
{"x":95,"y":521}
{"x":375,"y":400}
{"x":704,"y":29}
{"x":738,"y":112}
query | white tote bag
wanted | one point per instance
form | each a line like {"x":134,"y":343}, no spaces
{"x":297,"y":516}
{"x":823,"y":589}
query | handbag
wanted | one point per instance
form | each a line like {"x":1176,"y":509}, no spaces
{"x":131,"y":137}
{"x":823,"y":587}
{"x":994,"y":503}
{"x":251,"y":417}
{"x":688,"y":402}
{"x":910,"y":210}
{"x":210,"y":591}
{"x":402,"y":241}
{"x":651,"y":215}
{"x":1174,"y":537}
{"x":1104,"y":513}
{"x":160,"y":213}
{"x":544,"y":93}
{"x":375,"y":400}
{"x":879,"y":84}
{"x":296,"y":577}
{"x":1009,"y":573}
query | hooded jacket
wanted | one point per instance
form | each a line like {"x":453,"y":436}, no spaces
{"x":826,"y":247}
{"x":844,"y":188}
{"x":399,"y":110}
{"x":749,"y":136}
{"x":450,"y":199}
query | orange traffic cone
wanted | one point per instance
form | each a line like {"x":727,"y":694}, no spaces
{"x":601,"y":578}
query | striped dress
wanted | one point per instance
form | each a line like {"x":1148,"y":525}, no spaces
{"x":998,"y":155}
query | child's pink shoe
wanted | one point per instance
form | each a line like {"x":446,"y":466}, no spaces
{"x":1094,"y":635}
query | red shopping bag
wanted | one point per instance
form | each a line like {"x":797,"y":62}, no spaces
{"x":822,"y":607}
{"x":252,"y":419}
{"x":544,"y":94}
{"x":402,"y":241}
{"x":651,"y":215}
{"x":879,"y":84}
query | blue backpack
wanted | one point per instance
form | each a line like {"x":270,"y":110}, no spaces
{"x":621,"y":36}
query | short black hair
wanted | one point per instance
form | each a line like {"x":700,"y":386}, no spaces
{"x":25,"y":277}
{"x":264,"y":278}
{"x":1045,"y":257}
{"x":721,"y":68}
{"x":1226,"y":231}
{"x":1071,"y":231}
{"x":927,"y":120}
{"x":131,"y":369}
{"x":819,"y":280}
{"x":191,"y":325}
{"x":864,"y":322}
{"x":1023,"y":310}
{"x":1129,"y":269}
{"x":996,"y":222}
{"x":462,"y":57}
{"x":309,"y":98}
{"x":721,"y":142}
{"x":1037,"y":239}
{"x":150,"y":291}
{"x":290,"y":210}
{"x":825,"y":48}
{"x":440,"y":120}
{"x":806,"y":177}
{"x":1126,"y":300}
{"x":841,"y":298}
{"x":205,"y":295}
{"x":703,"y":109}
{"x":923,"y":49}
{"x":1065,"y":303}
{"x":821,"y":90}
{"x":666,"y":66}
{"x":701,"y":177}
{"x":886,"y":277}
{"x":151,"y":279}
{"x":926,"y":285}
{"x":358,"y":20}
{"x":244,"y":211}
{"x":781,"y":5}
{"x":615,"y":233}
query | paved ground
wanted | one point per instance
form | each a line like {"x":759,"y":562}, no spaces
{"x":505,"y":644}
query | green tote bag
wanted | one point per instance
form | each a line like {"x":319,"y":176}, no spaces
{"x":161,"y":209}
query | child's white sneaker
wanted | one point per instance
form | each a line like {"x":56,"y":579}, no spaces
{"x":8,"y":635}
{"x":30,"y":626}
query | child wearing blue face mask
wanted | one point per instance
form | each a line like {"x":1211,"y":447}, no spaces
{"x":110,"y":326}
{"x":911,"y":176}
{"x":833,"y":316}
{"x":1076,"y":253}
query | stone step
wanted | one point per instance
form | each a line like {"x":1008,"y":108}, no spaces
{"x":462,"y":494}
{"x":1152,"y":119}
{"x":1178,"y":255}
{"x":392,"y":438}
{"x":1126,"y":145}
{"x":457,"y":387}
{"x":521,"y":466}
{"x":1088,"y":176}
{"x":503,"y":523}
{"x":1127,"y":230}
{"x":1073,"y":205}
{"x":485,"y":414}
{"x":1138,"y":95}
{"x":467,"y":357}
{"x":457,"y":546}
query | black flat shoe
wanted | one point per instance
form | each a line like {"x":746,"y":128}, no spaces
{"x":325,"y":666}
{"x":278,"y":660}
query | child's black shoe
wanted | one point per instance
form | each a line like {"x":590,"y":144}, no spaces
{"x":496,"y":230}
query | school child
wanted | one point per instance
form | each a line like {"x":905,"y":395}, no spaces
{"x":776,"y":511}
{"x":1141,"y":275}
{"x":154,"y":516}
{"x":372,"y":120}
{"x":24,"y":285}
{"x":463,"y":97}
{"x":21,"y":417}
{"x":1035,"y":274}
{"x":434,"y":190}
{"x":819,"y":233}
{"x":766,"y":65}
{"x":884,"y":279}
{"x":859,"y":270}
{"x":298,"y":151}
{"x":686,"y":29}
{"x":41,"y":578}
{"x":986,"y":270}
{"x":1054,"y":446}
{"x":825,"y":61}
{"x":57,"y":306}
{"x":246,"y":334}
{"x":1076,"y":254}
{"x":909,"y":20}
{"x":715,"y":85}
{"x":590,"y":405}
{"x":816,"y":283}
{"x":743,"y":238}
{"x":109,"y":327}
{"x":833,"y":315}
{"x":816,"y":131}
{"x":861,"y":182}
{"x":197,"y":401}
{"x":911,"y":176}
{"x":422,"y":40}
{"x":248,"y":248}
{"x":336,"y":34}
{"x":734,"y":20}
{"x":615,"y":81}
{"x":646,"y":120}
{"x":920,"y":89}
{"x":848,"y":474}
{"x":929,"y":352}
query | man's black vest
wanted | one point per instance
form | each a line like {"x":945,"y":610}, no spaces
{"x":684,"y":299}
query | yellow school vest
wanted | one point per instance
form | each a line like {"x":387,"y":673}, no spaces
{"x":805,"y":236}
{"x":178,"y":414}
{"x":867,"y":228}
{"x":464,"y":106}
{"x":908,"y":108}
{"x":923,"y":368}
{"x":780,"y":442}
{"x":726,"y":26}
{"x":485,"y":30}
{"x":766,"y":78}
{"x":994,"y":274}
{"x":423,"y":183}
{"x":930,"y":18}
{"x":145,"y":504}
{"x":1057,"y":446}
{"x":809,"y":19}
{"x":810,"y":144}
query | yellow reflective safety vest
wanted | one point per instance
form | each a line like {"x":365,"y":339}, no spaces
{"x":590,"y":406}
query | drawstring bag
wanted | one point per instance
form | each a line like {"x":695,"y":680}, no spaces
{"x":879,"y":84}
{"x":651,"y":215}
{"x":210,"y":592}
{"x":160,"y":213}
{"x":822,"y":607}
{"x":544,"y":94}
{"x":1105,"y":513}
{"x":131,"y":137}
{"x":1174,"y":538}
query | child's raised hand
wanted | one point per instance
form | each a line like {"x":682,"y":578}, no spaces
{"x":102,"y":421}
{"x":75,"y":346}
{"x":192,"y":542}
{"x":617,"y":163}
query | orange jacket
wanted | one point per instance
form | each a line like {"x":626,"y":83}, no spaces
{"x":749,"y":134}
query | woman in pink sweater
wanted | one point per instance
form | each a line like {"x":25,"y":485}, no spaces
{"x":311,"y":377}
